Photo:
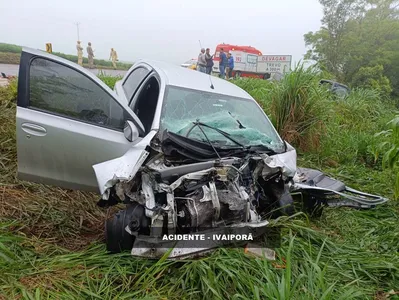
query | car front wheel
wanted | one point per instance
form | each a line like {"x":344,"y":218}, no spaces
{"x":117,"y":239}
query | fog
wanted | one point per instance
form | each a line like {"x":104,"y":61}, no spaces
{"x":164,"y":30}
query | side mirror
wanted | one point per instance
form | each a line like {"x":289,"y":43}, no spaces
{"x":130,"y":131}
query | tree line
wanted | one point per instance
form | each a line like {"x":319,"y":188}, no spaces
{"x":358,"y":43}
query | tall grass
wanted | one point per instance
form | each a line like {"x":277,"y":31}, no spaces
{"x":297,"y":106}
{"x":391,"y":148}
{"x":333,"y":130}
{"x":299,"y":109}
{"x":51,"y":239}
{"x":351,"y":128}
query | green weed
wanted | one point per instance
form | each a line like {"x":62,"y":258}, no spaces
{"x":10,"y":48}
{"x":109,"y":80}
{"x":10,"y":54}
{"x":296,"y":105}
{"x":391,"y":148}
{"x":51,"y":239}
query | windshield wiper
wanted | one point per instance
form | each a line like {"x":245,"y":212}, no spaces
{"x":210,"y":143}
{"x":225,"y":134}
{"x":238,"y":121}
{"x":263,"y":147}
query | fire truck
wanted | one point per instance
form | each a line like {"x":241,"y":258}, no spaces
{"x":250,"y":62}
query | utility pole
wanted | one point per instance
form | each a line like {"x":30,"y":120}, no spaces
{"x":77,"y":27}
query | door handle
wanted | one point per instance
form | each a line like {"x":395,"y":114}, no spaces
{"x":34,"y":129}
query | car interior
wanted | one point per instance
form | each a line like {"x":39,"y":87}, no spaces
{"x":145,"y":104}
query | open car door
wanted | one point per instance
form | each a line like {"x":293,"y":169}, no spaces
{"x":67,"y":121}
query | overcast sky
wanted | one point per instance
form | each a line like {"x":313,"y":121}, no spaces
{"x":167,"y":30}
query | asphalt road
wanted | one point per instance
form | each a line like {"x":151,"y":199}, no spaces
{"x":12,"y":70}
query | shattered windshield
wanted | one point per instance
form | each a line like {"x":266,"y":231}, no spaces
{"x":241,"y":119}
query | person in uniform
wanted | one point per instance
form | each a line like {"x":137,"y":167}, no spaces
{"x":80,"y":53}
{"x":90,"y":55}
{"x":114,"y":57}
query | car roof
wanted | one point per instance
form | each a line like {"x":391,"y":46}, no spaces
{"x":174,"y":75}
{"x":327,"y":81}
{"x":333,"y":82}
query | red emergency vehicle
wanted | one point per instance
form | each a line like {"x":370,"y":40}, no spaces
{"x":227,"y":48}
{"x":250,"y":62}
{"x":233,"y":49}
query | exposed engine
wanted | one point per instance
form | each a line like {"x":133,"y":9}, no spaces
{"x":187,"y":198}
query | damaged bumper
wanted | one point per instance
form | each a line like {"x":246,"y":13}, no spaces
{"x":328,"y":191}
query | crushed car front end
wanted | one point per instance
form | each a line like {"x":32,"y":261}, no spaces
{"x":216,"y":166}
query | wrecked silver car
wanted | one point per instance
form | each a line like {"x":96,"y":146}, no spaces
{"x":186,"y":152}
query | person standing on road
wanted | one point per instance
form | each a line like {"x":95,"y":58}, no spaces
{"x":201,"y":61}
{"x":90,"y":55}
{"x":114,"y":56}
{"x":209,"y":61}
{"x":80,"y":53}
{"x":222,"y":63}
{"x":230,"y":65}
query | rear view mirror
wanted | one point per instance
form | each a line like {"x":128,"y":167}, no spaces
{"x":130,"y":131}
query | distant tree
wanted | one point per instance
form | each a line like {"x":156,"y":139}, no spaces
{"x":373,"y":77}
{"x":358,"y":34}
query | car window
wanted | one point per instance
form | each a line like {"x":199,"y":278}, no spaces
{"x":61,"y":90}
{"x":326,"y":84}
{"x":134,"y":80}
{"x":252,"y":59}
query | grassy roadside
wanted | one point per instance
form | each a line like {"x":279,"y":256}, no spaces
{"x":51,"y":239}
{"x":10,"y":54}
{"x":9,"y":58}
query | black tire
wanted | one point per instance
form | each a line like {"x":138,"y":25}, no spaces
{"x":237,"y":74}
{"x":278,"y":202}
{"x":285,"y":204}
{"x":117,"y":239}
{"x":310,"y":204}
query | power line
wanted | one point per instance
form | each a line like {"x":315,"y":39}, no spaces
{"x":77,"y":28}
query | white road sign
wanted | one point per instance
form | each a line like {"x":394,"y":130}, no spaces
{"x":274,"y":64}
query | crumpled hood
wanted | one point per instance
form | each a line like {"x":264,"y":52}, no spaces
{"x":286,"y":162}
